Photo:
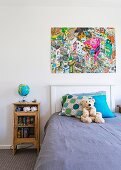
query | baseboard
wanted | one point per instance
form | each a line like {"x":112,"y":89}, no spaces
{"x":19,"y":146}
{"x":5,"y":146}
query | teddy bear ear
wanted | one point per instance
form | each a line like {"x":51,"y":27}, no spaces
{"x":89,"y":97}
{"x":93,"y":100}
{"x":82,"y":100}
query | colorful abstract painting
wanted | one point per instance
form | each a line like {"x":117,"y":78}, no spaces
{"x":83,"y":50}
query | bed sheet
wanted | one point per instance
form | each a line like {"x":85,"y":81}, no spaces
{"x":72,"y":145}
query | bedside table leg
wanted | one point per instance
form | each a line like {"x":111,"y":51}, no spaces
{"x":38,"y":147}
{"x":14,"y":149}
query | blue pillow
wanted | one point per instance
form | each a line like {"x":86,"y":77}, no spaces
{"x":102,"y":106}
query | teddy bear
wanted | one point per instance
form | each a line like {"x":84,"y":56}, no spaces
{"x":89,"y":111}
{"x":33,"y":108}
{"x":26,"y":109}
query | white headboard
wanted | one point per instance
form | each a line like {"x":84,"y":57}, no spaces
{"x":57,"y":91}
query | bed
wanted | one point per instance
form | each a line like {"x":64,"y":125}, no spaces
{"x":70,"y":144}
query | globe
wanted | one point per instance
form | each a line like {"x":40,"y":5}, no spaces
{"x":23,"y":90}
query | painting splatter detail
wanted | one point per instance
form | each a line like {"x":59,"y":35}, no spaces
{"x":83,"y":50}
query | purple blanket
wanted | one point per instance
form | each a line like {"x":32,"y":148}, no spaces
{"x":72,"y":145}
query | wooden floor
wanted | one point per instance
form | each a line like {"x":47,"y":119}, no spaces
{"x":24,"y":159}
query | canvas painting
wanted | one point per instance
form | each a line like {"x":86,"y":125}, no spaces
{"x":83,"y":50}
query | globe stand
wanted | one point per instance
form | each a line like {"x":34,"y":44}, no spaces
{"x":23,"y":100}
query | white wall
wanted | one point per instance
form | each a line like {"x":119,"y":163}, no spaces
{"x":25,"y":55}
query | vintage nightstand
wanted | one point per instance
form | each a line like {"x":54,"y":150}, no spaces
{"x":26,"y":124}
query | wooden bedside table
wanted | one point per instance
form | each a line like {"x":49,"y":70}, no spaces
{"x":119,"y":106}
{"x":26,"y":126}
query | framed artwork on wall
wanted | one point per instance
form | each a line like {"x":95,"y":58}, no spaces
{"x":83,"y":50}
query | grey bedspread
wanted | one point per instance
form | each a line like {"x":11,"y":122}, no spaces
{"x":72,"y":145}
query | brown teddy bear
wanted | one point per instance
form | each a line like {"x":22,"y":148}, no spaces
{"x":89,"y":111}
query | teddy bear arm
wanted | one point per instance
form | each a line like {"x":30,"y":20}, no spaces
{"x":93,"y":118}
{"x":85,"y":112}
{"x":93,"y":111}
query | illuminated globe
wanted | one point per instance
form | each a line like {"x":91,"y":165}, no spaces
{"x":23,"y":90}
